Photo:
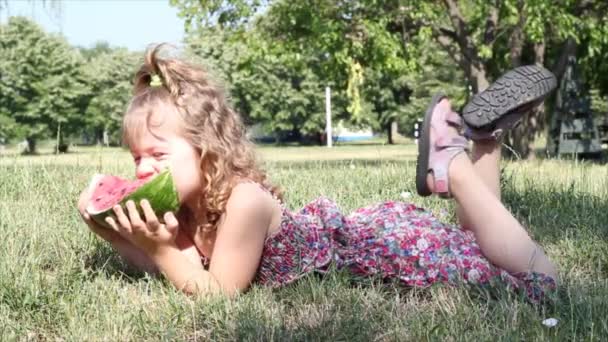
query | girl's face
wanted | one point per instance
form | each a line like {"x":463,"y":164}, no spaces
{"x":159,"y":145}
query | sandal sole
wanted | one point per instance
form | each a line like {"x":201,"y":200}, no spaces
{"x":519,"y":89}
{"x":422,"y":162}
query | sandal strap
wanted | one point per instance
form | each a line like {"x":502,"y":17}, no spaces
{"x":440,"y":172}
{"x":453,"y":141}
{"x":448,"y":148}
{"x":454,"y":118}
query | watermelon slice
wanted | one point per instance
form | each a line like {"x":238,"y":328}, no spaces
{"x":107,"y":191}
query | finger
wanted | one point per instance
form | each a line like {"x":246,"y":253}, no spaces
{"x":122,"y":231}
{"x":81,"y":204}
{"x":94,"y":225}
{"x":88,"y":220}
{"x":171,"y":222}
{"x":136,"y":221}
{"x":83,"y":200}
{"x":110,"y":221}
{"x":122,"y":218}
{"x":149,"y":215}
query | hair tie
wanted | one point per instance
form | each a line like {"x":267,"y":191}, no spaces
{"x":155,"y":81}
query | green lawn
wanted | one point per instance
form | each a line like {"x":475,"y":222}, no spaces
{"x":57,"y":281}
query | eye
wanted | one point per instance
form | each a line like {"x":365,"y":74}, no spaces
{"x":159,"y":155}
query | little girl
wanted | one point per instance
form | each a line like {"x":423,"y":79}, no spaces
{"x":232,"y":228}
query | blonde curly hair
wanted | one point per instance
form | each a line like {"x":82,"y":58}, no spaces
{"x":209,"y":123}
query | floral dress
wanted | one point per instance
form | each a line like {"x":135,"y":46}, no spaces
{"x":390,"y":240}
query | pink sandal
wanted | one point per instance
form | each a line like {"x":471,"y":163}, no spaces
{"x":437,"y":151}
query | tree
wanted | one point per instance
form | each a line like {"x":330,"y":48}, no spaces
{"x":268,"y":85}
{"x":109,"y":74}
{"x":100,"y":47}
{"x":220,"y":13}
{"x":308,"y":38}
{"x":43,"y":91}
{"x":359,"y":52}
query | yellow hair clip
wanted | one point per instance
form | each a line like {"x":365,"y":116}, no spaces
{"x":155,"y":81}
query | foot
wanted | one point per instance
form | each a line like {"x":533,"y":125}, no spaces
{"x":501,"y":107}
{"x":439,"y":143}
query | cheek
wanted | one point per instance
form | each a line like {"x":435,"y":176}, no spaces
{"x":187,"y":175}
{"x":194,"y":162}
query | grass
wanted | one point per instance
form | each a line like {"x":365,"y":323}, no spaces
{"x":57,"y":281}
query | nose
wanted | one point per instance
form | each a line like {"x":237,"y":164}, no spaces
{"x":145,"y":169}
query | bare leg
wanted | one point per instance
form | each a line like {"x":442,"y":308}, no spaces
{"x":498,"y":108}
{"x":500,"y":236}
{"x":486,"y":156}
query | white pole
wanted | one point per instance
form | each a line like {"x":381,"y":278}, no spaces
{"x":328,"y":115}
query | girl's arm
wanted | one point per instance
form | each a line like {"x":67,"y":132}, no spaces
{"x":140,"y":260}
{"x":131,"y":254}
{"x":182,"y":273}
{"x":237,"y":249}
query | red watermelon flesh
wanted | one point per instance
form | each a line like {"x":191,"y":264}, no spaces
{"x":108,"y":191}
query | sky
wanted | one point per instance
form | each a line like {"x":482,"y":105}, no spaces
{"x":133,"y":24}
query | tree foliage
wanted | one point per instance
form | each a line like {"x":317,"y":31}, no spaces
{"x":50,"y":89}
{"x":298,"y":48}
{"x":41,"y":84}
{"x":221,"y":13}
{"x":109,"y":73}
{"x":269,"y":87}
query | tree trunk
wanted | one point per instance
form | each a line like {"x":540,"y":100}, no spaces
{"x":477,"y":76}
{"x":472,"y":64}
{"x":392,"y":131}
{"x":59,"y":140}
{"x":523,"y":136}
{"x":569,"y":49}
{"x":480,"y":78}
{"x":31,"y":145}
{"x":99,"y":136}
{"x":106,"y":138}
{"x":516,"y":40}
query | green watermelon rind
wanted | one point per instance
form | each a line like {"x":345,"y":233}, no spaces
{"x":160,"y":192}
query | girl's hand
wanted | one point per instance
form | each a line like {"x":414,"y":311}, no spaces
{"x":105,"y":233}
{"x":148,"y":233}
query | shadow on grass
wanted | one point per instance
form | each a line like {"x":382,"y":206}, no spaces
{"x":553,"y":212}
{"x":573,"y":224}
{"x":104,"y":260}
{"x":315,"y":308}
{"x":333,"y":308}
